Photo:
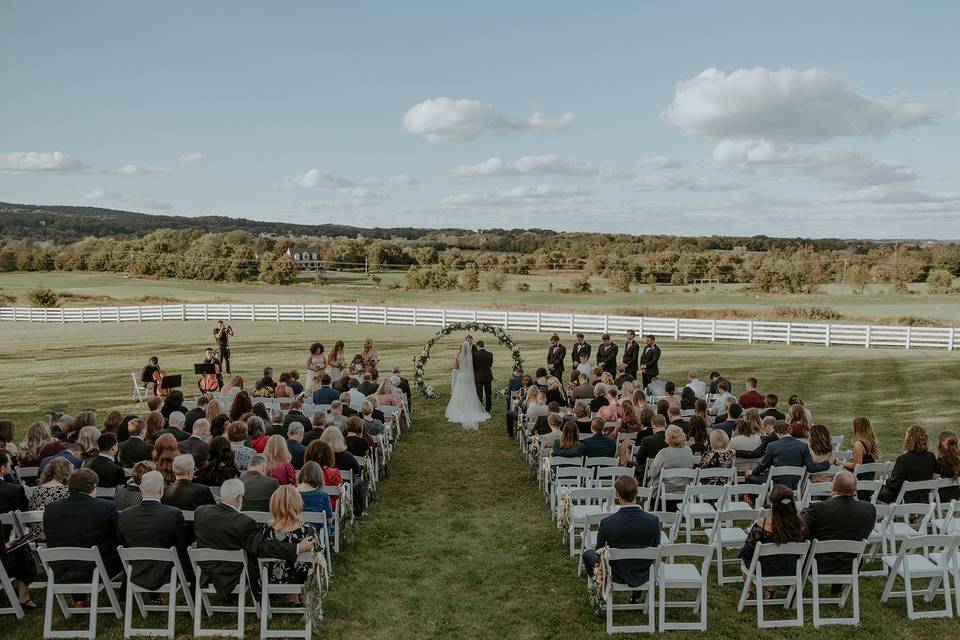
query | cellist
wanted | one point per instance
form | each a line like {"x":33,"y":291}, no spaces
{"x":210,"y":382}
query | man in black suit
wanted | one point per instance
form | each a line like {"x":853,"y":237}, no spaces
{"x":786,"y":451}
{"x":580,"y":346}
{"x":174,"y":427}
{"x":629,"y":528}
{"x":134,"y":449}
{"x":842,"y":517}
{"x":676,"y":419}
{"x":184,"y":493}
{"x":734,"y":411}
{"x":598,"y":445}
{"x":368,"y":386}
{"x":222,"y":526}
{"x":650,"y":359}
{"x":81,"y":520}
{"x":631,"y":355}
{"x":195,"y":414}
{"x":715,"y":380}
{"x":257,"y":487}
{"x":556,"y":357}
{"x":109,"y":473}
{"x":770,"y":407}
{"x":651,"y":445}
{"x":295,"y":415}
{"x":152,"y":524}
{"x":483,"y":374}
{"x":198,"y":444}
{"x":607,"y":355}
{"x":295,"y":445}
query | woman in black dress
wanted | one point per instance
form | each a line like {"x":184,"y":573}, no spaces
{"x":784,"y":525}
{"x":915,"y":463}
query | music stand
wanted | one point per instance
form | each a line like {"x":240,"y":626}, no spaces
{"x":204,"y":368}
{"x":171,"y":382}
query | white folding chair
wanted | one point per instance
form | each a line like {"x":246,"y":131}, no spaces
{"x":268,"y":610}
{"x":948,"y":523}
{"x":669,"y":524}
{"x":754,"y":578}
{"x":588,"y":536}
{"x":664,"y":495}
{"x":898,"y":525}
{"x":568,"y":478}
{"x":201,"y":594}
{"x":700,"y":504}
{"x":177,"y":582}
{"x":673,"y":574}
{"x":737,"y":493}
{"x":724,"y":475}
{"x":28,"y":475}
{"x":139,"y":389}
{"x":319,"y":521}
{"x":108,"y":493}
{"x":880,"y":470}
{"x":837,"y":442}
{"x":550,"y":472}
{"x":6,"y":584}
{"x":728,"y":534}
{"x":872,"y":487}
{"x":586,"y":502}
{"x":915,"y":561}
{"x":99,"y":581}
{"x":931,"y":487}
{"x":651,"y":554}
{"x":600,"y":461}
{"x":850,"y":580}
{"x":816,"y":491}
{"x":776,"y":475}
{"x":606,"y":476}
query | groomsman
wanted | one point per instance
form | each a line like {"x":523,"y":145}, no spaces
{"x":631,"y":354}
{"x":607,"y":355}
{"x":580,"y":346}
{"x":556,"y":356}
{"x":649,"y":359}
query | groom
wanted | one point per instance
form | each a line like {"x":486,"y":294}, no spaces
{"x":483,"y":374}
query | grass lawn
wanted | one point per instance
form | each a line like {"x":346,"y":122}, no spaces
{"x":460,"y":543}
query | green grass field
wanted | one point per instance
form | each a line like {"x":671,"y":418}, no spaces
{"x":460,"y":543}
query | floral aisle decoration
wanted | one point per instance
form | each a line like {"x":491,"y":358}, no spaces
{"x":420,"y":362}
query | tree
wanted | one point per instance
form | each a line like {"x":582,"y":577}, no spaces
{"x":620,"y":280}
{"x":858,"y":277}
{"x":43,"y":297}
{"x":426,"y":255}
{"x":278,"y":270}
{"x":939,"y":281}
{"x":471,"y":278}
{"x":580,"y":284}
{"x":494,"y":280}
{"x":432,"y":278}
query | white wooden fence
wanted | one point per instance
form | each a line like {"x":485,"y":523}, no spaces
{"x":749,"y":331}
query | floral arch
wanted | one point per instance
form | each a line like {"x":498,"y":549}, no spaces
{"x":426,"y":391}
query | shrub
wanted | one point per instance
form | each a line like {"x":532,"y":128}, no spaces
{"x":494,"y":280}
{"x":580,"y":284}
{"x":320,"y":280}
{"x":432,"y":278}
{"x":523,"y":287}
{"x":471,"y":278}
{"x":620,"y":280}
{"x":376,"y":280}
{"x":43,"y":297}
{"x":939,"y":281}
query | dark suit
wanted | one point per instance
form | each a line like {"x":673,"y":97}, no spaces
{"x":81,"y":520}
{"x":152,"y":524}
{"x":772,"y":412}
{"x":179,"y":434}
{"x":599,"y":446}
{"x":405,"y":388}
{"x":368,"y":388}
{"x":109,"y":473}
{"x":296,"y":453}
{"x":187,"y":495}
{"x":648,"y":448}
{"x":192,"y":416}
{"x":18,"y":564}
{"x":325,"y":395}
{"x":311,"y":435}
{"x":220,"y":526}
{"x":650,"y":359}
{"x":607,"y":357}
{"x":295,"y":416}
{"x":909,"y":466}
{"x":631,"y":358}
{"x":483,"y":376}
{"x":258,"y":489}
{"x":197,"y":448}
{"x":786,"y":452}
{"x":556,"y":356}
{"x":134,"y":450}
{"x":629,"y":528}
{"x":839,"y":518}
{"x":12,"y":498}
{"x":577,"y":349}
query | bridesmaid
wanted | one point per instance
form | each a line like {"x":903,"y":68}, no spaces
{"x":335,"y":362}
{"x":369,"y":354}
{"x":316,"y":364}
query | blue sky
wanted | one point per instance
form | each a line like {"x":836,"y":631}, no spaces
{"x":817,"y":119}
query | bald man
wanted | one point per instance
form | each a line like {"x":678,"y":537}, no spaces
{"x":842,"y":517}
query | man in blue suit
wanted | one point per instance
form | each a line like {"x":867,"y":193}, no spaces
{"x":599,"y":445}
{"x":629,"y":528}
{"x":325,"y":393}
{"x":786,"y":451}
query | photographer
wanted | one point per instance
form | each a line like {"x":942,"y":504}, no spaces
{"x":222,"y":334}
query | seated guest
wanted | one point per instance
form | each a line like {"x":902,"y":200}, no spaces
{"x":175,"y":427}
{"x":650,"y":446}
{"x":865,"y":449}
{"x":87,"y":439}
{"x":18,"y":564}
{"x":283,"y":388}
{"x":152,"y":524}
{"x":198,"y":444}
{"x":385,"y":395}
{"x":51,"y":486}
{"x":786,"y":451}
{"x":715,"y":381}
{"x":316,"y":429}
{"x":256,"y":433}
{"x":598,"y":445}
{"x":842,"y":517}
{"x":218,"y":426}
{"x":258,"y":487}
{"x":611,"y":412}
{"x":799,"y":425}
{"x":134,"y":449}
{"x":82,"y":520}
{"x":312,"y":490}
{"x":356,"y":397}
{"x":542,"y":426}
{"x":676,"y":455}
{"x":770,"y":407}
{"x":325,"y":393}
{"x":220,"y":465}
{"x":782,"y":526}
{"x":295,"y":444}
{"x":698,"y":435}
{"x":233,"y":387}
{"x":696,"y":385}
{"x":555,"y":422}
{"x":241,"y":406}
{"x":286,"y":526}
{"x":222,"y":526}
{"x":295,"y":383}
{"x":671,"y":394}
{"x":622,"y":376}
{"x":688,"y":399}
{"x":346,"y":462}
{"x":265,"y":386}
{"x":199,"y":411}
{"x":948,"y":464}
{"x":164,"y":451}
{"x":321,"y":453}
{"x":38,"y":445}
{"x":821,"y":450}
{"x":403,"y":384}
{"x":173,"y":402}
{"x":555,"y":392}
{"x":675,"y":417}
{"x":63,"y":427}
{"x":109,"y":473}
{"x":129,"y":494}
{"x":916,"y":463}
{"x":568,"y":445}
{"x":295,"y":414}
{"x":371,"y":425}
{"x":628,"y":528}
{"x":368,"y":386}
{"x":599,"y":397}
{"x":746,"y":438}
{"x":733,"y":412}
{"x":581,"y":413}
{"x":794,"y":400}
{"x":583,"y":389}
{"x":719,"y":407}
{"x":357,"y":443}
{"x":751,"y":398}
{"x":71,"y":454}
{"x":184,"y":493}
{"x":277,"y":426}
{"x":718,"y":457}
{"x":278,"y":461}
{"x":237,"y":433}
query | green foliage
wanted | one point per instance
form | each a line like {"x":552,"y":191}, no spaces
{"x":432,"y":278}
{"x":426,"y":255}
{"x":471,"y":278}
{"x":939,"y":281}
{"x":278,"y":270}
{"x":43,"y":297}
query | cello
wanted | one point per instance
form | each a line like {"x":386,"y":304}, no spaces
{"x":210,"y":382}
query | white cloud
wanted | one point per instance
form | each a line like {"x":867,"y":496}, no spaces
{"x":403,"y":180}
{"x":448,"y":119}
{"x":523,"y":195}
{"x":196,"y":156}
{"x":655,"y":182}
{"x":109,"y":195}
{"x":658,"y":163}
{"x":839,"y":167}
{"x":527,"y":165}
{"x":707,"y":184}
{"x":140,"y":170}
{"x":41,"y":162}
{"x":349,"y":198}
{"x":788,"y":105}
{"x":318,"y":179}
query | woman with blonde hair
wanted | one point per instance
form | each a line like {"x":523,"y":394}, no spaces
{"x":38,"y":445}
{"x":88,"y":440}
{"x":214,"y":409}
{"x":233,"y":385}
{"x":915,"y":463}
{"x":286,"y":525}
{"x":384,"y":395}
{"x":676,"y":455}
{"x":164,"y":451}
{"x":278,"y":459}
{"x":719,"y":456}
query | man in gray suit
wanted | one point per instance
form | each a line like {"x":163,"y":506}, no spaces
{"x":257,"y":487}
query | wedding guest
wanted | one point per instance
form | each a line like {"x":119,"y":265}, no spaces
{"x":214,"y":409}
{"x":241,"y":405}
{"x":18,"y":564}
{"x":173,"y":402}
{"x":671,"y":390}
{"x":568,"y":445}
{"x":948,"y":465}
{"x":724,"y":398}
{"x":611,"y":412}
{"x":71,"y":454}
{"x":688,"y":399}
{"x":198,"y":444}
{"x":696,"y":385}
{"x":799,"y":424}
{"x":842,"y":517}
{"x":237,"y":434}
{"x":51,"y":486}
{"x":676,"y":455}
{"x":184,"y":493}
{"x":718,"y":457}
{"x":295,"y":383}
{"x":751,"y":398}
{"x":313,"y":492}
{"x":286,"y":526}
{"x":821,"y":450}
{"x":651,"y":445}
{"x":865,"y":449}
{"x":164,"y":451}
{"x":175,"y":427}
{"x":265,"y":386}
{"x":154,"y":425}
{"x":221,"y":464}
{"x":385,"y":395}
{"x":770,"y":407}
{"x":581,"y":414}
{"x":283,"y":388}
{"x":278,"y":461}
{"x":295,"y":444}
{"x":199,"y":411}
{"x":782,"y":526}
{"x":258,"y":486}
{"x":554,"y":422}
{"x":786,"y":451}
{"x":698,"y":437}
{"x":357,"y":443}
{"x":39,"y":444}
{"x":324,"y":393}
{"x":598,"y":445}
{"x":256,"y":434}
{"x":129,"y":494}
{"x":87,"y":439}
{"x":321,"y":453}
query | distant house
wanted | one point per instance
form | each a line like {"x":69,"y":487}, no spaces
{"x":306,"y":259}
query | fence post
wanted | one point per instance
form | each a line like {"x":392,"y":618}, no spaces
{"x":183,"y":313}
{"x":909,"y":336}
{"x":278,"y":312}
{"x":950,"y":339}
{"x":139,"y":314}
{"x":789,"y":332}
{"x":866,"y":342}
{"x":571,"y":323}
{"x":206,"y":312}
{"x":443,"y":317}
{"x":99,"y":315}
{"x":538,"y":321}
{"x":229,"y":312}
{"x":415,"y":309}
{"x":676,"y":328}
{"x":641,"y":325}
{"x":827,"y":338}
{"x":303,"y":313}
{"x":606,"y":324}
{"x":356,"y":314}
{"x":474,"y":315}
{"x":713,"y":331}
{"x":749,"y":331}
{"x":385,"y":311}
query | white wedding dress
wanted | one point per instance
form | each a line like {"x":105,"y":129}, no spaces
{"x":464,"y":407}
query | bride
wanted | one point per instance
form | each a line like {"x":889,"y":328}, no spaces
{"x":464,"y":406}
